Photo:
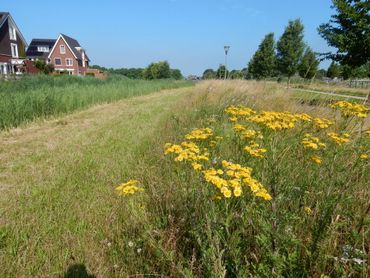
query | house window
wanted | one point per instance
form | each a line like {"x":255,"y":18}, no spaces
{"x":12,"y":33}
{"x":62,"y":49}
{"x":14,"y":49}
{"x":69,"y":62}
{"x":43,"y":49}
{"x":58,"y":61}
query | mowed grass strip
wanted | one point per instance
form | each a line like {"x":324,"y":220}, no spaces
{"x":57,"y":204}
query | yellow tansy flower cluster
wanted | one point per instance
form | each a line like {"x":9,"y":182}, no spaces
{"x":230,"y":180}
{"x":254,"y":150}
{"x":251,"y":134}
{"x":128,"y":188}
{"x":274,"y":120}
{"x":187,"y":151}
{"x":317,"y":159}
{"x":364,"y":156}
{"x":199,"y":134}
{"x":311,"y":142}
{"x":338,"y":139}
{"x":322,"y":123}
{"x":239,"y":112}
{"x":351,"y":109}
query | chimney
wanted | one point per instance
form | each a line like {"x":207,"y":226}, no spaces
{"x":83,"y":58}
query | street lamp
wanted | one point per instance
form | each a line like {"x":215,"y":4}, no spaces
{"x":226,"y":48}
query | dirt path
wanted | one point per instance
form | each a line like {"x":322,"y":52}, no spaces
{"x":330,"y":94}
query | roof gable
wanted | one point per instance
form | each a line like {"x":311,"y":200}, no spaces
{"x":56,"y":43}
{"x":3,"y":18}
{"x":72,"y":45}
{"x":6,"y":16}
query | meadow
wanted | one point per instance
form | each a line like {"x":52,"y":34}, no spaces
{"x":39,"y":97}
{"x":224,"y":179}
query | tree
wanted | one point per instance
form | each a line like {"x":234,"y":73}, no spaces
{"x":349,"y":32}
{"x":220,"y":74}
{"x":290,"y":48}
{"x":176,"y":74}
{"x":309,"y":64}
{"x":209,"y":74}
{"x":334,"y":70}
{"x":160,"y":70}
{"x":263,"y":62}
{"x":43,"y":67}
{"x":236,"y":74}
{"x":321,"y":73}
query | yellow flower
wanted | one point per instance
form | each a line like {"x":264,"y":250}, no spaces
{"x":196,"y":166}
{"x":364,"y":156}
{"x":239,"y":127}
{"x":308,"y":210}
{"x":316,"y":159}
{"x":199,"y":134}
{"x":322,"y":123}
{"x":237,"y":191}
{"x":227,"y":193}
{"x":217,"y":198}
{"x":340,"y":140}
{"x":254,"y":150}
{"x":351,"y":109}
{"x":128,"y":188}
{"x":311,"y":142}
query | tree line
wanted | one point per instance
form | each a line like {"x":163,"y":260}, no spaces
{"x":159,"y":70}
{"x":347,"y":31}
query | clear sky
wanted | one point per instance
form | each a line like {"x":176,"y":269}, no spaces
{"x":189,"y":34}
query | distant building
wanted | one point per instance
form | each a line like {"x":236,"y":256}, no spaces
{"x":39,"y":49}
{"x":12,"y":46}
{"x":68,"y":56}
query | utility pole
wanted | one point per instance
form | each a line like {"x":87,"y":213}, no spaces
{"x":226,"y":48}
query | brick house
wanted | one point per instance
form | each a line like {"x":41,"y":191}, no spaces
{"x":68,"y":56}
{"x":12,"y":46}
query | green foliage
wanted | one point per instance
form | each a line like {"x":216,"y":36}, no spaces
{"x":290,"y":48}
{"x":43,"y":67}
{"x":44,"y":96}
{"x":348,"y":72}
{"x":153,"y":71}
{"x":209,"y":74}
{"x":159,"y":70}
{"x":349,"y":32}
{"x":133,"y":73}
{"x":236,"y":74}
{"x":220,"y":74}
{"x":309,"y":64}
{"x":321,"y":73}
{"x":334,"y":70}
{"x":176,"y":74}
{"x":263,"y":63}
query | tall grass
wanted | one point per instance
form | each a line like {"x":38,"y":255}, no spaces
{"x":43,"y":96}
{"x":316,"y":224}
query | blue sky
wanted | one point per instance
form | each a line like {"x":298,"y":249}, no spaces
{"x":189,"y":34}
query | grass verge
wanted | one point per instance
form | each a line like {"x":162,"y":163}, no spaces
{"x":44,"y":96}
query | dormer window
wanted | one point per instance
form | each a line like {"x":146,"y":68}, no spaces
{"x":43,"y":49}
{"x":62,"y":49}
{"x":12,"y":33}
